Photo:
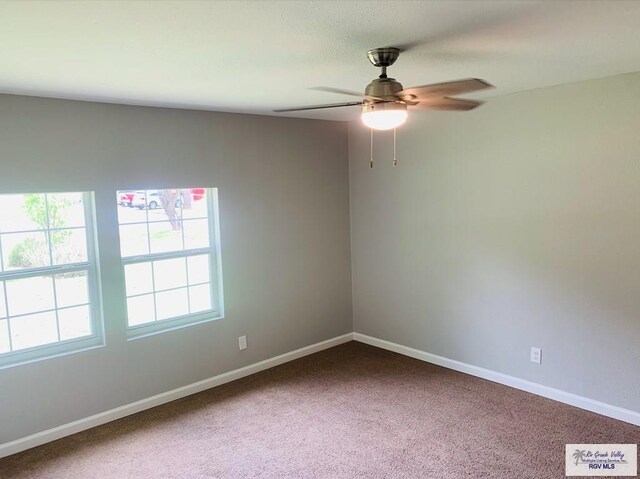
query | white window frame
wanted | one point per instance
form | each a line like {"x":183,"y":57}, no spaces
{"x":96,"y":339}
{"x":215,"y":276}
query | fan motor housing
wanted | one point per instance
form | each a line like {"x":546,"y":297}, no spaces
{"x":370,"y":106}
{"x":385,"y":88}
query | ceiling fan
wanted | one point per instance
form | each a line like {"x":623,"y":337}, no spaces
{"x":385,"y":100}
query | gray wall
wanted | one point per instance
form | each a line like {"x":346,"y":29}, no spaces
{"x":284,"y":208}
{"x":511,"y":226}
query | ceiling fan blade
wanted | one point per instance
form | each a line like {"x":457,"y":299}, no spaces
{"x":444,"y":89}
{"x":406,"y":46}
{"x":452,"y":104}
{"x":345,"y":92}
{"x":319,"y":107}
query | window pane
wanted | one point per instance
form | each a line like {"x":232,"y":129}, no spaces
{"x":170,"y":273}
{"x":65,"y":210}
{"x":198,"y":269}
{"x":200,"y":298}
{"x":196,"y":234}
{"x":25,"y":250}
{"x":5,"y":347}
{"x":138,"y":278}
{"x":126,"y":212}
{"x":22,"y":213}
{"x":197,"y":207}
{"x":134,"y":240}
{"x":33,"y":330}
{"x":140,"y":310}
{"x":69,"y":246}
{"x":171,"y":304}
{"x":158,"y":213}
{"x":72,"y":289}
{"x":30,"y":295}
{"x":164,"y":237}
{"x":74,"y":323}
{"x":148,"y":199}
{"x":3,"y":304}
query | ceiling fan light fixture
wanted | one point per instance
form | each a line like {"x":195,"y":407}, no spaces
{"x":384,"y":116}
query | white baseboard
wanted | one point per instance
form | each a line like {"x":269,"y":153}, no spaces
{"x":581,"y":402}
{"x":49,"y":435}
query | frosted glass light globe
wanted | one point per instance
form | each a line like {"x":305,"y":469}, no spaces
{"x":384,"y":119}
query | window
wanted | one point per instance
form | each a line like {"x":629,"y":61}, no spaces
{"x":49,"y":293}
{"x":169,"y":244}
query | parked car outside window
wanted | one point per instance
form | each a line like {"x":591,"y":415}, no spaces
{"x":125,"y":197}
{"x":151,"y":198}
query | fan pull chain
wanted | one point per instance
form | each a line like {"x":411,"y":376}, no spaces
{"x":395,"y":158}
{"x":371,"y":160}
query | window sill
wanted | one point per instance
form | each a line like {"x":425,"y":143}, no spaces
{"x":152,"y":329}
{"x":50,"y":352}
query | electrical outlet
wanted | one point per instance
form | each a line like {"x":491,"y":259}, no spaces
{"x":536,"y":355}
{"x":242,"y":342}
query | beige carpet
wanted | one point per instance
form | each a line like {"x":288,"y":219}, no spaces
{"x":353,"y":411}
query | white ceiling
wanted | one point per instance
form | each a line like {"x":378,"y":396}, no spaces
{"x":256,"y":56}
